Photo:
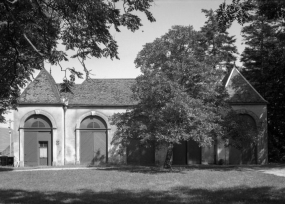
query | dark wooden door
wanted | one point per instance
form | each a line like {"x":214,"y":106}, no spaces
{"x":180,"y":153}
{"x":30,"y":149}
{"x":234,"y":156}
{"x":194,"y":152}
{"x":147,"y":154}
{"x":133,"y":152}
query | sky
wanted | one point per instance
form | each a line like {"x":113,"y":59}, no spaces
{"x":167,"y":13}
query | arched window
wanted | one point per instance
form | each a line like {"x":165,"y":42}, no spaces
{"x":93,"y":122}
{"x":249,"y":121}
{"x":37,"y":121}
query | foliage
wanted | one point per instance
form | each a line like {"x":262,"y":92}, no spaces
{"x":241,"y":10}
{"x":31,"y":29}
{"x":180,"y":92}
{"x":240,"y":131}
{"x":217,"y":43}
{"x":264,"y":62}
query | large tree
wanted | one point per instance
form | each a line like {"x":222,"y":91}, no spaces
{"x":263,"y":58}
{"x":264,"y":66}
{"x":180,"y":93}
{"x":241,"y":10}
{"x":31,"y":29}
{"x":217,"y":43}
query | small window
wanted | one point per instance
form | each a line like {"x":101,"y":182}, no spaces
{"x":93,"y":125}
{"x":37,"y":121}
{"x":43,"y":149}
{"x":93,"y":122}
{"x":35,"y":124}
{"x":41,"y":124}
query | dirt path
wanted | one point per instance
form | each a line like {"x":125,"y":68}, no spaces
{"x":277,"y":171}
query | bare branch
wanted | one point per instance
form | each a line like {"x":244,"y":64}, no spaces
{"x":32,"y":45}
{"x":84,"y":67}
{"x":12,"y":2}
{"x":7,"y":8}
{"x":3,"y":23}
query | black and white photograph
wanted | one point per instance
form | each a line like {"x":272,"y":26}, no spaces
{"x":142,"y":101}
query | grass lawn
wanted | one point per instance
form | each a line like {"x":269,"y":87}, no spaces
{"x":142,"y":185}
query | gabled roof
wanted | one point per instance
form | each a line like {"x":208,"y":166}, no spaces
{"x":117,"y":92}
{"x":240,"y":90}
{"x":42,"y":90}
{"x":102,"y":92}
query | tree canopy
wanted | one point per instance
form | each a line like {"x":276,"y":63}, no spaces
{"x":31,"y":29}
{"x":241,"y":10}
{"x":263,"y":58}
{"x":180,"y":93}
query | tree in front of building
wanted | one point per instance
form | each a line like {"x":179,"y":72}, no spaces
{"x":180,"y":94}
{"x":31,"y":29}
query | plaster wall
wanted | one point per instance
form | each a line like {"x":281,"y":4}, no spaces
{"x":73,"y":118}
{"x":55,"y":114}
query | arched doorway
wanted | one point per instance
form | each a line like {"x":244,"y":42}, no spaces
{"x":248,"y":153}
{"x":93,"y":141}
{"x":37,"y":141}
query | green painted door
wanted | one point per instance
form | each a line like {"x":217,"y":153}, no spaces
{"x":100,"y":147}
{"x":30,"y":149}
{"x":93,"y":147}
{"x":86,"y":147}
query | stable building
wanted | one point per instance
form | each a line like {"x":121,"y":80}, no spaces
{"x":54,"y":128}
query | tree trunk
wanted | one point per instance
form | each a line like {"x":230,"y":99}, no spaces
{"x":168,"y":158}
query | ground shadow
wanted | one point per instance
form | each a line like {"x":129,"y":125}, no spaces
{"x":183,"y":169}
{"x":241,"y":195}
{"x":6,"y":168}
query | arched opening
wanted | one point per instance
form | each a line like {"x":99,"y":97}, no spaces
{"x":37,"y":141}
{"x":248,"y":153}
{"x":93,"y":141}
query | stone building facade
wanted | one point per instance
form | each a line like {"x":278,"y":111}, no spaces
{"x":73,"y":128}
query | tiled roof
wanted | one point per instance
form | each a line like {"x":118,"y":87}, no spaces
{"x":240,"y":90}
{"x":42,"y":90}
{"x":108,"y":92}
{"x":117,"y":92}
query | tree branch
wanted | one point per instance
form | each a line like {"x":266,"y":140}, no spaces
{"x":27,"y":39}
{"x":12,"y":2}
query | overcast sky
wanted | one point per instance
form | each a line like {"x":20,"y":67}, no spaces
{"x":167,"y":14}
